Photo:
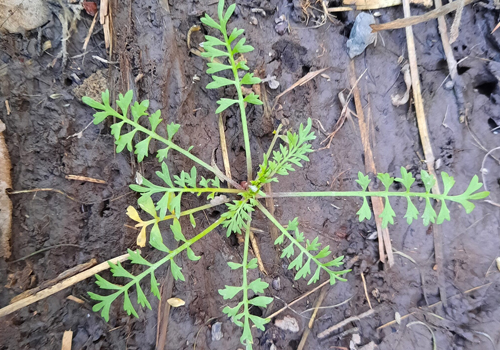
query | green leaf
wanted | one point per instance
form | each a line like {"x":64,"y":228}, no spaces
{"x":119,"y":271}
{"x":162,"y":154}
{"x":125,"y":140}
{"x":386,"y":179}
{"x":260,"y":301}
{"x":124,"y":101}
{"x":288,"y":252}
{"x":172,"y":129}
{"x":428,"y":180}
{"x":138,"y":110}
{"x":249,"y":79}
{"x":323,"y":253}
{"x":142,"y":149}
{"x":207,"y":20}
{"x":229,"y":12}
{"x":219,"y":82}
{"x":215,"y":67}
{"x":105,"y":97}
{"x":406,"y":179}
{"x":479,"y":195}
{"x":314,"y":245}
{"x":297,"y":262}
{"x":99,"y":117}
{"x":363,"y":181}
{"x":92,"y":103}
{"x":156,"y":240}
{"x":220,"y":9}
{"x":176,"y":271}
{"x":191,"y":255}
{"x":473,"y":186}
{"x":235,"y":33}
{"x":224,"y":104}
{"x":336,"y":262}
{"x":155,"y":120}
{"x":253,"y":99}
{"x":192,"y":220}
{"x":279,"y":240}
{"x":304,"y":271}
{"x":240,"y":47}
{"x":212,"y":52}
{"x":105,"y":303}
{"x":146,"y":204}
{"x":154,"y":286}
{"x":141,"y":298}
{"x":259,"y":322}
{"x":411,"y":212}
{"x":444,"y":213}
{"x":127,"y":305}
{"x":429,"y":213}
{"x":258,"y":286}
{"x":212,"y":41}
{"x":104,"y":284}
{"x":229,"y":292}
{"x":364,"y":212}
{"x":177,"y":231}
{"x":252,"y":264}
{"x":136,"y":258}
{"x":234,"y":266}
{"x":165,"y":175}
{"x":387,"y":214}
{"x":116,"y":130}
{"x":315,"y":277}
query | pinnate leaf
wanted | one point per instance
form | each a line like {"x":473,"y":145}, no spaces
{"x":230,"y":292}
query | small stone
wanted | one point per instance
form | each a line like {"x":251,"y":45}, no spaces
{"x":449,"y":85}
{"x":281,"y":28}
{"x":217,"y":331}
{"x":370,"y":346}
{"x":288,"y":323}
{"x":253,"y":21}
{"x":356,"y":338}
{"x":276,"y":283}
{"x":438,"y":163}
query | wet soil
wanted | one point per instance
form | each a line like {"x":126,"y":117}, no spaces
{"x":150,"y":40}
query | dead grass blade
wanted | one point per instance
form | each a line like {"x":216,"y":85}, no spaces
{"x":5,"y":203}
{"x":434,"y":345}
{"x":299,"y":82}
{"x":410,"y":21}
{"x":60,"y":286}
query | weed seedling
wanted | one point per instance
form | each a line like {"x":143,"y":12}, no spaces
{"x":310,"y":259}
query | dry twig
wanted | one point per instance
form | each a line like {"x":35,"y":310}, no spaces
{"x":318,"y":303}
{"x":299,"y":82}
{"x":60,"y":286}
{"x":384,"y":239}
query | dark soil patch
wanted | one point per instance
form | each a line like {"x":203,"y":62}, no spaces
{"x":152,"y":42}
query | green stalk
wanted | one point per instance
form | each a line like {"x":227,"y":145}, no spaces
{"x":248,"y":153}
{"x":165,"y":141}
{"x":159,"y":189}
{"x":170,"y":256}
{"x":245,"y":277}
{"x":361,"y":194}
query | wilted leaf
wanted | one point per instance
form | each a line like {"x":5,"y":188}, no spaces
{"x":176,"y":302}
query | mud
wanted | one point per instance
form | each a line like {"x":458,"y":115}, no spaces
{"x":151,"y":40}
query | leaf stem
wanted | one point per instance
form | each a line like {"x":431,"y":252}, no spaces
{"x":241,"y":103}
{"x":170,"y":256}
{"x":291,"y":238}
{"x":164,"y":140}
{"x":245,"y":277}
{"x":361,"y":194}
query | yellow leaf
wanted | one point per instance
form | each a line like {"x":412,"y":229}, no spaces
{"x":133,"y":214}
{"x":141,"y":239}
{"x":176,"y":302}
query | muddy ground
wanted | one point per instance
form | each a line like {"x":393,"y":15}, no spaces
{"x":150,"y":39}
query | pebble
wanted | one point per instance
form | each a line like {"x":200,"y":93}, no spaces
{"x":288,"y":323}
{"x":217,"y":331}
{"x":449,"y":85}
{"x":276,"y":283}
{"x":253,"y":20}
